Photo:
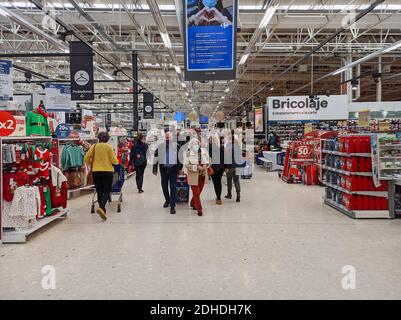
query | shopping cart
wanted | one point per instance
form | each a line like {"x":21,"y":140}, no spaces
{"x":116,"y":191}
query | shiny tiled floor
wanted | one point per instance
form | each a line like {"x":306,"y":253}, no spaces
{"x":279,"y":242}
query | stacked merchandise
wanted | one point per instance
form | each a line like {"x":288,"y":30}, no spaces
{"x":389,"y":153}
{"x":350,"y":186}
{"x":32,"y":187}
{"x":378,"y":125}
{"x":294,"y":130}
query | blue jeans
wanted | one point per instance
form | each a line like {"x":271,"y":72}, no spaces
{"x":169,"y":178}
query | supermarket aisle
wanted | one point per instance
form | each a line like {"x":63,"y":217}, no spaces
{"x":279,"y":242}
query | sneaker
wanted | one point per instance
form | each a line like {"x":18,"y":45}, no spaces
{"x":140,"y":191}
{"x":101,"y":213}
{"x":166,"y":204}
{"x":172,"y":210}
{"x":219,"y":202}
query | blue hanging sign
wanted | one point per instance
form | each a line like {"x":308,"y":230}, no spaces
{"x":210,"y":39}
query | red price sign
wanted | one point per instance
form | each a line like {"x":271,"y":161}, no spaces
{"x":7,"y":123}
{"x":303,"y":152}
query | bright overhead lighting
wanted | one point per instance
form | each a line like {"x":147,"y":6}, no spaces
{"x":338,"y":71}
{"x":244,"y":58}
{"x":267,"y":17}
{"x":3,"y":13}
{"x":227,"y":90}
{"x":187,"y":94}
{"x":177,"y":69}
{"x":166,"y":40}
{"x":223,"y":97}
{"x":183,"y":84}
{"x":393,"y":47}
{"x":108,"y":76}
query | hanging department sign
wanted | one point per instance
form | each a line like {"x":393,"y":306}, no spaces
{"x":6,"y":80}
{"x":210,"y":39}
{"x":57,"y":96}
{"x":304,"y":108}
{"x":148,"y":106}
{"x":81,"y":71}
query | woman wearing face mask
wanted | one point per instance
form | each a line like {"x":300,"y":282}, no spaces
{"x":196,"y":164}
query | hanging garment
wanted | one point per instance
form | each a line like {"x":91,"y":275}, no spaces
{"x":72,"y":157}
{"x":26,"y":202}
{"x":36,"y":123}
{"x":11,"y":181}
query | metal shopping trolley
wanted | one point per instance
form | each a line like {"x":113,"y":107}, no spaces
{"x":116,"y":191}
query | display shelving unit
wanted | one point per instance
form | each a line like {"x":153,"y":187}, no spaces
{"x":355,"y":214}
{"x":389,"y":153}
{"x":9,"y":235}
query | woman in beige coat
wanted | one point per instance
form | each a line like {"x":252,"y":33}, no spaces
{"x":196,"y":163}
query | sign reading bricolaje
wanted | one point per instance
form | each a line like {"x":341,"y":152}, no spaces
{"x":210,"y":39}
{"x":6,"y":80}
{"x":81,"y":71}
{"x":306,"y":108}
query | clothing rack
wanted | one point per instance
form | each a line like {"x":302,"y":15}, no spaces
{"x":76,"y":192}
{"x":20,"y":236}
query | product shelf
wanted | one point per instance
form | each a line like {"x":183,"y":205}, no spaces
{"x":389,"y":145}
{"x":347,"y":173}
{"x":20,"y":236}
{"x":345,"y":154}
{"x":382,"y":194}
{"x":359,"y":214}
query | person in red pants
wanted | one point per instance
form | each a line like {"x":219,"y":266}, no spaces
{"x":196,"y":164}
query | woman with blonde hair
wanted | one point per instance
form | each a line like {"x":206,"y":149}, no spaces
{"x":196,"y":165}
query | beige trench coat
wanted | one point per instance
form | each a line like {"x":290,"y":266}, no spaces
{"x":191,"y":161}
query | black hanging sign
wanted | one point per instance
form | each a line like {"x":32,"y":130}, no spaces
{"x":81,"y":71}
{"x":148,"y":109}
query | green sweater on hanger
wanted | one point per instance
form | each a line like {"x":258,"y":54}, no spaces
{"x":36,"y":124}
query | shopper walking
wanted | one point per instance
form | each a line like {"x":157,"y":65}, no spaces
{"x":101,"y":158}
{"x":139,"y":160}
{"x":234,"y":161}
{"x":166,"y":158}
{"x":196,"y":164}
{"x":216,"y":153}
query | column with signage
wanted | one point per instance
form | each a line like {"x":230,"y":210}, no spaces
{"x":148,"y":106}
{"x":81,"y":71}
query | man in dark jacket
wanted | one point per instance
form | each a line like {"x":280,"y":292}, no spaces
{"x":139,"y":160}
{"x":167,"y":159}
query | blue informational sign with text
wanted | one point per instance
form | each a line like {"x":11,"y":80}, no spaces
{"x":210,"y":39}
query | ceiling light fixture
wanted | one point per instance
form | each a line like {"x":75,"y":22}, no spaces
{"x":267,"y":17}
{"x":227,"y":90}
{"x":393,"y":47}
{"x":183,"y":84}
{"x":177,"y":69}
{"x":166,"y":40}
{"x":244,"y":58}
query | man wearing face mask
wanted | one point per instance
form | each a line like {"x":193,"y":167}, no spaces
{"x":196,"y":164}
{"x":166,"y":158}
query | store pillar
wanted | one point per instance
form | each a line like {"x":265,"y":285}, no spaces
{"x":135,"y":91}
